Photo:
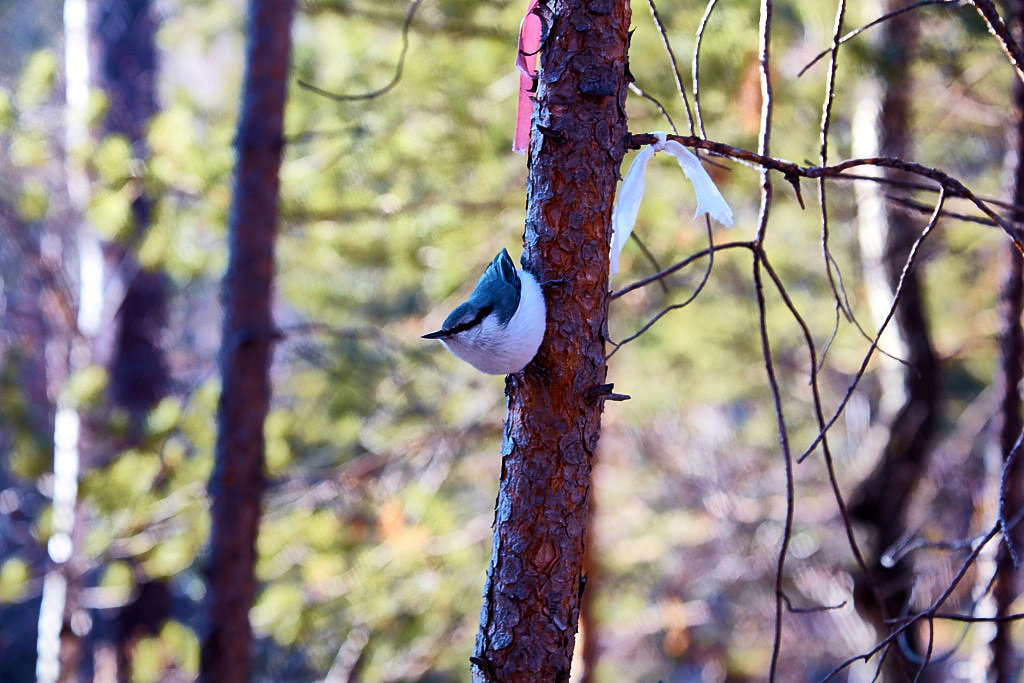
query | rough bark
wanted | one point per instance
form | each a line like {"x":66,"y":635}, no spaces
{"x":882,"y":499}
{"x":532,"y":595}
{"x":1005,"y":660}
{"x":238,"y":479}
{"x":590,"y":647}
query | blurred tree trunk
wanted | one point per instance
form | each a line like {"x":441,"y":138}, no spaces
{"x":533,"y":587}
{"x":248,"y":333}
{"x":32,"y":318}
{"x":124,"y":41}
{"x":110,"y":47}
{"x":910,"y":391}
{"x":1006,"y":663}
{"x":123,"y":46}
{"x":37,"y":311}
{"x":590,"y":648}
{"x":59,"y":632}
{"x":32,"y":313}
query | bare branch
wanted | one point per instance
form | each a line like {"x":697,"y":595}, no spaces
{"x":930,"y":612}
{"x":996,"y":26}
{"x":926,"y":187}
{"x":675,"y":64}
{"x":764,"y":146}
{"x":710,"y":253}
{"x":811,"y":610}
{"x":654,"y":100}
{"x":898,"y":552}
{"x":340,"y":97}
{"x":950,"y":185}
{"x":696,"y":63}
{"x":678,"y":266}
{"x":907,"y":266}
{"x":966,"y":618}
{"x":919,"y":207}
{"x":928,"y":651}
{"x":649,"y":256}
{"x":885,"y":17}
{"x":826,"y":118}
{"x":1011,"y":458}
{"x":820,"y":417}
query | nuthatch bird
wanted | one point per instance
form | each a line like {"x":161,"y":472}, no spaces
{"x":500,"y":327}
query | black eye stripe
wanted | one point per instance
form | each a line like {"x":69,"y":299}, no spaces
{"x":477,"y":319}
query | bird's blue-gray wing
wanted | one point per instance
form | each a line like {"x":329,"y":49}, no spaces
{"x":500,"y":287}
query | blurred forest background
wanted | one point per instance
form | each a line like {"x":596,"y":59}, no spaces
{"x":383,"y":452}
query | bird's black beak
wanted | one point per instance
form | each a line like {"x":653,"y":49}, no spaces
{"x":440,"y":334}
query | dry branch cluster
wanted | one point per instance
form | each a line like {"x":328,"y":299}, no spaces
{"x":907,"y":646}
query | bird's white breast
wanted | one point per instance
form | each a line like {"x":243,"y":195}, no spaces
{"x":501,"y":349}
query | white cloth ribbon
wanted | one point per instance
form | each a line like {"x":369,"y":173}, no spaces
{"x":627,"y":204}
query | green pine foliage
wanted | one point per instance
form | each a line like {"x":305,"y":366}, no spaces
{"x":383,"y":452}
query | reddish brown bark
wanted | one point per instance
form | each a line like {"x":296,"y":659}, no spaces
{"x":590,"y":647}
{"x":532,"y":594}
{"x":238,"y":479}
{"x":1005,"y":659}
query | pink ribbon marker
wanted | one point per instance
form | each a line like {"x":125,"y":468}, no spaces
{"x":526,"y":63}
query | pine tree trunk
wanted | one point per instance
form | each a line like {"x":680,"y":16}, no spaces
{"x":589,"y":650}
{"x":248,"y":333}
{"x":1006,"y":662}
{"x":124,"y":39}
{"x":534,"y":582}
{"x":58,"y":646}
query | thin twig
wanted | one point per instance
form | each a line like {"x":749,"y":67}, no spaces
{"x":696,"y":64}
{"x":354,"y":332}
{"x":651,"y":98}
{"x":820,"y":417}
{"x":931,"y":611}
{"x":826,"y":119}
{"x":1011,"y":458}
{"x":339,"y":97}
{"x":650,"y":257}
{"x":927,"y":187}
{"x":677,"y":266}
{"x":764,"y":147}
{"x":907,"y":266}
{"x":792,"y":172}
{"x":308,"y":135}
{"x":675,"y":64}
{"x":966,"y":618}
{"x":920,"y":207}
{"x":811,"y":610}
{"x":853,"y":319}
{"x":996,"y":26}
{"x":710,"y":253}
{"x":885,"y":17}
{"x":896,"y":553}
